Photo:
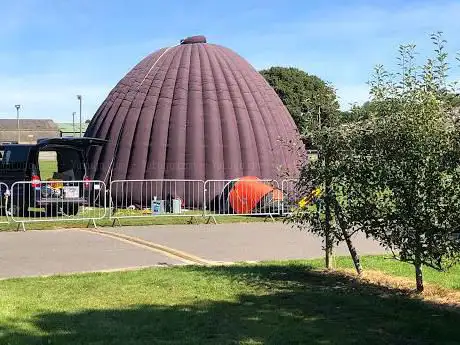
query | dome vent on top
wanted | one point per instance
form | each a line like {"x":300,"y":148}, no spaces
{"x":193,"y":39}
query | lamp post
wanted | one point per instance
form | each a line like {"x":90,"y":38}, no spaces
{"x":73,"y":123}
{"x":18,"y":106}
{"x":80,"y":99}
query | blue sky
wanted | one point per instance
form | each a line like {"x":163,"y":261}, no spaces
{"x":51,"y":50}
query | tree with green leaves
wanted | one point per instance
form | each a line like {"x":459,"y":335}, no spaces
{"x":364,"y":111}
{"x":356,"y":113}
{"x":320,"y":210}
{"x":312,"y":104}
{"x":394,"y":175}
{"x":305,"y":96}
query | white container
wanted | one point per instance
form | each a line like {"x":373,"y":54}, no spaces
{"x":177,"y":206}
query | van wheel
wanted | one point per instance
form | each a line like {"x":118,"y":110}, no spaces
{"x":70,"y":209}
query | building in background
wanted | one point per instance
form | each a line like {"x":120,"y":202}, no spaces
{"x":66,"y":129}
{"x":29,"y":130}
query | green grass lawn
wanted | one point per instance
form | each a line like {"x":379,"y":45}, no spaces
{"x":273,"y":303}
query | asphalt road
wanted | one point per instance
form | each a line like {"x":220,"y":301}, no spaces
{"x":36,"y":253}
{"x":243,"y":242}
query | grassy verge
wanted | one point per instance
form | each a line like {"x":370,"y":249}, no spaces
{"x":39,"y":222}
{"x":449,"y":279}
{"x":273,"y":303}
{"x":164,"y":220}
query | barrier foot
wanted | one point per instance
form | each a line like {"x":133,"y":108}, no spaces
{"x":271,"y":217}
{"x":22,"y":226}
{"x":209,"y":220}
{"x":116,"y":221}
{"x":92,"y":221}
{"x":190,"y":220}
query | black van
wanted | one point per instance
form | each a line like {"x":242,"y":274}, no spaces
{"x":67,"y":158}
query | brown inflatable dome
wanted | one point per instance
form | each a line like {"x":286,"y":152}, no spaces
{"x":193,"y":111}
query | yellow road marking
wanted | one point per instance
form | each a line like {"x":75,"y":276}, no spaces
{"x":171,"y":252}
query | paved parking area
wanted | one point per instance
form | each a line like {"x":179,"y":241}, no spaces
{"x":36,"y":253}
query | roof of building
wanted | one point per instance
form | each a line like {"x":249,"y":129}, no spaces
{"x":28,"y":125}
{"x":68,"y":127}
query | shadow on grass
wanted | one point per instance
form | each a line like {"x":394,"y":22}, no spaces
{"x":290,"y":305}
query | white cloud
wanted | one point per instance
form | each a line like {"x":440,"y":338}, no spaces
{"x":343,"y":44}
{"x":350,"y":23}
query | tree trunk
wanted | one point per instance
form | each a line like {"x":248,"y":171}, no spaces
{"x":418,"y":264}
{"x":327,"y":210}
{"x":327,"y":230}
{"x":328,"y":251}
{"x":353,"y":252}
{"x":419,"y":275}
{"x":344,"y":229}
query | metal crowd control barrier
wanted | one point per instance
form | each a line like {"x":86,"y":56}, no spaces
{"x":156,"y":198}
{"x":291,"y":195}
{"x":4,"y":197}
{"x":57,"y":201}
{"x":242,"y":197}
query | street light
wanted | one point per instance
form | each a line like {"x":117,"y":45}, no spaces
{"x":79,"y":99}
{"x":18,"y":106}
{"x":73,"y":123}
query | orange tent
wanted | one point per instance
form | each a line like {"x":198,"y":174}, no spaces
{"x":250,"y":195}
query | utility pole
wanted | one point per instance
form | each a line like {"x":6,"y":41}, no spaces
{"x":80,"y":100}
{"x":73,"y":124}
{"x":18,"y":106}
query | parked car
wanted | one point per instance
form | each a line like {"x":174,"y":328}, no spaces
{"x":65,"y":189}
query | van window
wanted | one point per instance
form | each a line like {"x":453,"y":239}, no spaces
{"x":61,"y":164}
{"x":14,"y":157}
{"x":47,"y":164}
